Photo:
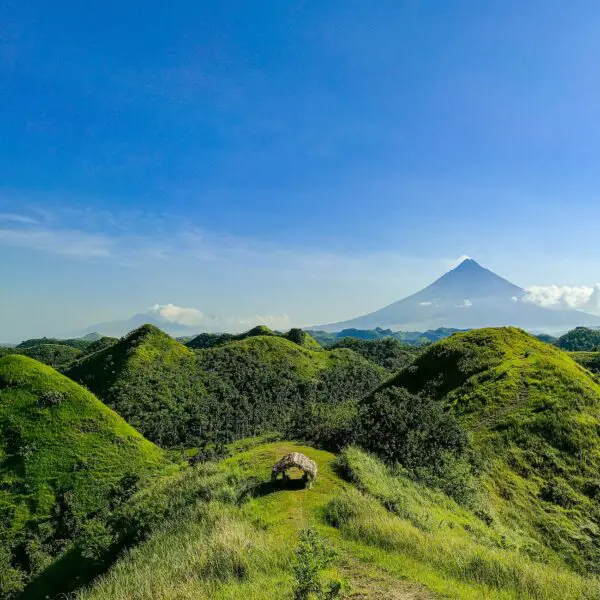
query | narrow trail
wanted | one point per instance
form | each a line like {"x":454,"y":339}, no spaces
{"x":285,"y":510}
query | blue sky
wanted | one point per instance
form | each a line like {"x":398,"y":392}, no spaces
{"x":295,"y":162}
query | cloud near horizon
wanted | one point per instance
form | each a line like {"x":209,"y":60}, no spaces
{"x":178,"y":314}
{"x":193,"y":317}
{"x":582,"y":298}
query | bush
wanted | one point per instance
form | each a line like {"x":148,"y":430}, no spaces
{"x":50,"y":398}
{"x":312,"y":556}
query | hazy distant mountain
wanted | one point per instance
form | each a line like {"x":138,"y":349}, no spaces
{"x":121,"y":327}
{"x":468,"y":297}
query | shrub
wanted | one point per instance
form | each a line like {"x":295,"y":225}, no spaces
{"x":312,"y":556}
{"x":50,"y":398}
{"x":415,"y":432}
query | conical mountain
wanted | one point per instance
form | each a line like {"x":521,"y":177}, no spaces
{"x":467,"y":297}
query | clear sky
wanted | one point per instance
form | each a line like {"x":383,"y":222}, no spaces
{"x":289,"y":161}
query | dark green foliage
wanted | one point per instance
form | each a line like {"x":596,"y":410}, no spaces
{"x":409,"y":338}
{"x":56,"y":353}
{"x":313,"y":555}
{"x":416,"y":432}
{"x":589,"y":360}
{"x":580,"y":339}
{"x":269,"y":379}
{"x":330,"y":426}
{"x":212,"y":340}
{"x":388,"y":353}
{"x":409,"y":429}
{"x":178,"y":397}
{"x":79,"y":343}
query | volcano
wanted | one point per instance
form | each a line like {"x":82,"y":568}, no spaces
{"x":468,"y":297}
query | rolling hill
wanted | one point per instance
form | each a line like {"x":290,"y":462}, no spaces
{"x":533,"y":415}
{"x":63,"y":455}
{"x":59,"y":353}
{"x":467,"y":297}
{"x":177,"y":396}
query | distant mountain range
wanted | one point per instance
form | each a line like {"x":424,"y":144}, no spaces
{"x":468,"y":297}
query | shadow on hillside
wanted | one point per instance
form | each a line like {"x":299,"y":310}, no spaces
{"x":269,"y":487}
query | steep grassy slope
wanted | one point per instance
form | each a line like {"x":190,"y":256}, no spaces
{"x":151,"y":380}
{"x":393,"y":540}
{"x":176,"y":396}
{"x":62,"y":455}
{"x":534,"y":418}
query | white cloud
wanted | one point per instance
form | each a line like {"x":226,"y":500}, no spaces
{"x":466,"y":304}
{"x":425,"y":303}
{"x":178,"y":314}
{"x":564,"y":296}
{"x":193,"y":317}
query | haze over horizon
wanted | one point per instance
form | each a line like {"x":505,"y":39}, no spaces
{"x":292,"y":163}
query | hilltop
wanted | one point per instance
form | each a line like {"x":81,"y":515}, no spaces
{"x":388,"y":537}
{"x":178,"y":396}
{"x":533,"y":415}
{"x":211,"y":340}
{"x":64,"y":455}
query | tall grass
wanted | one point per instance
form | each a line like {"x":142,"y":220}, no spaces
{"x":363,"y":519}
{"x":205,"y":550}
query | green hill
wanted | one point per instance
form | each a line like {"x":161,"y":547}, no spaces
{"x":56,"y":353}
{"x":388,"y":537}
{"x":151,"y":380}
{"x":580,"y":339}
{"x":533,"y":416}
{"x":176,"y":396}
{"x":211,"y":340}
{"x":63,"y":456}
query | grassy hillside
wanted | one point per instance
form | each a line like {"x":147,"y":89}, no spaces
{"x":176,"y":396}
{"x":533,"y":415}
{"x":391,"y":539}
{"x":151,"y":380}
{"x":63,"y":456}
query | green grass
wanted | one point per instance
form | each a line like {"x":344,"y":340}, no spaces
{"x":428,"y":548}
{"x":62,"y":455}
{"x":534,"y":416}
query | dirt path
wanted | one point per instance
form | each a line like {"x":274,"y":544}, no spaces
{"x":286,"y":510}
